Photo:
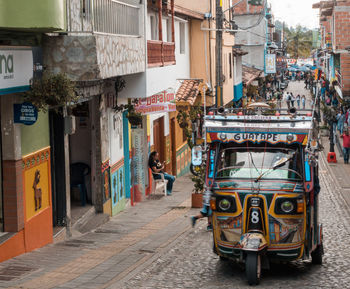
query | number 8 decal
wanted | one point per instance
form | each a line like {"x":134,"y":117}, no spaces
{"x":255,"y":217}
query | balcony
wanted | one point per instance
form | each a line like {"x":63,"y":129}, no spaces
{"x":160,"y":53}
{"x":34,"y":15}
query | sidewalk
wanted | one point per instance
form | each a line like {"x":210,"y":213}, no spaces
{"x":106,"y":255}
{"x":339,"y":170}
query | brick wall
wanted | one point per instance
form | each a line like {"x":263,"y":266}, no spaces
{"x":244,"y":8}
{"x":342,"y":40}
{"x":13,"y":196}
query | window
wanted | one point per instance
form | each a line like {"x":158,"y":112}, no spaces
{"x":182,"y":38}
{"x":230,"y":63}
{"x":169,"y":30}
{"x":253,"y":162}
{"x":154,"y":27}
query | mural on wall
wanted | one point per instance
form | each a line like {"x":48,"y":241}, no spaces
{"x":37,"y":188}
{"x":118,"y":186}
{"x":106,"y":184}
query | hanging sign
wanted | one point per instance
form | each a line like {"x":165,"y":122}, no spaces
{"x":270,"y":63}
{"x":25,"y":113}
{"x":163,"y":101}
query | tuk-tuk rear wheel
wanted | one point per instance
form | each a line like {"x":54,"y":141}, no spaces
{"x":317,"y":255}
{"x":253,"y":268}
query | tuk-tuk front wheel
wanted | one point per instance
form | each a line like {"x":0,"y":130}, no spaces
{"x":317,"y":255}
{"x":253,"y":268}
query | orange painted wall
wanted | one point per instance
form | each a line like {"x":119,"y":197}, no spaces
{"x":12,"y":247}
{"x":38,"y":230}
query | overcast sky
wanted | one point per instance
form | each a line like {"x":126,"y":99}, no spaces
{"x":295,"y":12}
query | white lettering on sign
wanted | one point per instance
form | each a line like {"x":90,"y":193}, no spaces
{"x":255,"y":137}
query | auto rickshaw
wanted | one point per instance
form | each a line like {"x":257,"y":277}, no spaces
{"x":263,"y":187}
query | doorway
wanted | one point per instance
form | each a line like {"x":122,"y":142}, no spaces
{"x":58,"y":177}
{"x":158,"y":137}
{"x":173,"y":146}
{"x":80,"y":157}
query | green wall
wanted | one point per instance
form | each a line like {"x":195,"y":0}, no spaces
{"x":44,"y":15}
{"x":36,"y":136}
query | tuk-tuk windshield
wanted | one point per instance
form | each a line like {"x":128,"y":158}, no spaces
{"x":259,"y":162}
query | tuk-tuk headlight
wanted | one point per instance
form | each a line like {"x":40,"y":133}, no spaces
{"x":226,"y":204}
{"x":287,"y":207}
{"x":290,"y":206}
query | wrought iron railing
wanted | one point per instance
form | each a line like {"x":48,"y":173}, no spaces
{"x":116,"y":17}
{"x":105,"y":16}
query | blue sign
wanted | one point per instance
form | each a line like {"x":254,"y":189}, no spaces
{"x":25,"y":113}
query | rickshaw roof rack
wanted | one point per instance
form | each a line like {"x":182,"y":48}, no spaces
{"x":265,"y":111}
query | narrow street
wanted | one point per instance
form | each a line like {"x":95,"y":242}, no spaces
{"x":153,"y":246}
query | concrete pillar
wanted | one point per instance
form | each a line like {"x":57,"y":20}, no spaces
{"x":11,"y":166}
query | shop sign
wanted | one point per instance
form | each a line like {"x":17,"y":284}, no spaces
{"x":25,"y":113}
{"x":16,"y":70}
{"x":161,"y":102}
{"x":257,"y":137}
{"x":270,"y":63}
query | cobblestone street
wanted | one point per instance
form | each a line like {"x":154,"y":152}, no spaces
{"x":191,"y":263}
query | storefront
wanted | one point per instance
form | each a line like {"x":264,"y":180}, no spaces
{"x":25,"y":152}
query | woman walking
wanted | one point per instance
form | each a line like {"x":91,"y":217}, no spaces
{"x":346,"y":146}
{"x":303,"y":101}
{"x":292,"y":99}
{"x":298,"y":101}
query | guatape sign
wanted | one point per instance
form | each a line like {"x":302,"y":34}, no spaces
{"x":16,"y":69}
{"x":254,"y":137}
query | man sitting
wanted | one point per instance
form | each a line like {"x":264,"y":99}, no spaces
{"x":158,"y":168}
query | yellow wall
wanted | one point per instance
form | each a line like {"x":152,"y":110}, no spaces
{"x":197,"y":56}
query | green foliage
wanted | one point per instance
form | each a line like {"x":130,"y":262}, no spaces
{"x":134,"y":117}
{"x":199,"y":180}
{"x":52,"y":90}
{"x":299,"y":41}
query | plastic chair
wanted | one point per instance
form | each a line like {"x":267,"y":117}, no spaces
{"x":161,"y":181}
{"x":78,"y":172}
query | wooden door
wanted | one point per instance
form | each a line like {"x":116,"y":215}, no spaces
{"x":158,"y":137}
{"x":173,"y":146}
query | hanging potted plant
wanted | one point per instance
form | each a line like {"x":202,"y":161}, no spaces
{"x":52,"y":91}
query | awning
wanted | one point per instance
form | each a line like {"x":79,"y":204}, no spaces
{"x":250,"y":74}
{"x":338,"y":90}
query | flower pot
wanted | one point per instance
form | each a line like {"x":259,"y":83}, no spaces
{"x":197,"y":200}
{"x":134,"y":119}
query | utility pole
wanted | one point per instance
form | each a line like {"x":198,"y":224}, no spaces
{"x":219,"y":31}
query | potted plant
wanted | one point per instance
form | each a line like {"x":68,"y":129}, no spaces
{"x":197,"y":193}
{"x":52,"y":90}
{"x":134,"y":117}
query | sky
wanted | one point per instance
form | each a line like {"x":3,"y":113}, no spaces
{"x":295,"y":12}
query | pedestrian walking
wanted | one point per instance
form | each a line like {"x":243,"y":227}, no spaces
{"x":288,"y":99}
{"x":205,"y":212}
{"x":346,"y":146}
{"x":303,"y":101}
{"x":340,"y":122}
{"x":292,"y":99}
{"x":158,"y":168}
{"x":298,"y":101}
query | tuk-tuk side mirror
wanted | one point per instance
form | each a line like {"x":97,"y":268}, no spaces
{"x":196,"y":155}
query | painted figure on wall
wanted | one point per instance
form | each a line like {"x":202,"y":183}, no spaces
{"x":106,"y":185}
{"x":37,"y":190}
{"x":115,"y":189}
{"x":121,"y":183}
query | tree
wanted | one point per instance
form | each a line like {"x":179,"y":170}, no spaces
{"x":299,"y":41}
